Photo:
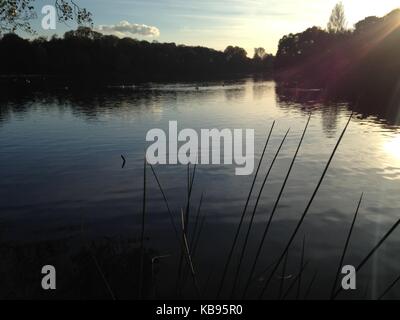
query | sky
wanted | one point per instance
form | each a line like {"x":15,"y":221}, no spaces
{"x":219,"y":23}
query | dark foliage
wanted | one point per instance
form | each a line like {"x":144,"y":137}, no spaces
{"x":86,"y":53}
{"x":362,"y":64}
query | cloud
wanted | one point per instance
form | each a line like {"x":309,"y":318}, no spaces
{"x":126,"y":29}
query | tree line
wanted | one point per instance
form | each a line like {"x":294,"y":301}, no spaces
{"x":361,"y":64}
{"x":87,"y":53}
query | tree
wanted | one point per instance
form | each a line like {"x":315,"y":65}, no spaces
{"x":337,"y":21}
{"x":259,"y":53}
{"x":17,"y":14}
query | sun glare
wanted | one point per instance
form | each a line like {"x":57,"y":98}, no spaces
{"x":393,"y":147}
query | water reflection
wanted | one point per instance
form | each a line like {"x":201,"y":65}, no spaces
{"x":60,"y":160}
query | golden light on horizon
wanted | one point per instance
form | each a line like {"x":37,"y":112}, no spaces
{"x":392,"y":147}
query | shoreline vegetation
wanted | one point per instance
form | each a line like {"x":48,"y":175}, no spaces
{"x":359,"y":65}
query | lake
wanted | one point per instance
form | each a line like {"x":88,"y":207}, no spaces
{"x":61,"y":176}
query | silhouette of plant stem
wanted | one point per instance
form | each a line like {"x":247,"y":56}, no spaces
{"x":142,"y":232}
{"x":308,"y":291}
{"x":296,"y":279}
{"x":345,"y":248}
{"x":166,"y":203}
{"x":370,"y":254}
{"x":301,"y":266}
{"x":389,"y":288}
{"x":228,"y":261}
{"x":235,"y":281}
{"x":306,"y":209}
{"x":261,"y":245}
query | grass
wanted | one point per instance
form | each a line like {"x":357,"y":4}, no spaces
{"x":236,"y":277}
{"x":345,"y":247}
{"x":235,"y":239}
{"x":260,"y":247}
{"x":300,"y":222}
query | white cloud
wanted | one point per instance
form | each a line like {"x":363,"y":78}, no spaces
{"x":126,"y":29}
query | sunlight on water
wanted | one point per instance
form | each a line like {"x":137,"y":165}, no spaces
{"x":393,"y":147}
{"x":60,"y":159}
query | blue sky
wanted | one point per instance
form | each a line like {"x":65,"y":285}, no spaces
{"x":219,"y":23}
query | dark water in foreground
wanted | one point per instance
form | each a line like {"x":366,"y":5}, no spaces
{"x":60,"y":169}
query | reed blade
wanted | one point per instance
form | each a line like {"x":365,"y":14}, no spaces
{"x":345,"y":247}
{"x":301,"y":266}
{"x":296,"y":279}
{"x":142,"y":231}
{"x":261,"y":245}
{"x":308,"y":291}
{"x":236,"y":277}
{"x":171,"y":216}
{"x":306,"y":209}
{"x":228,"y":261}
{"x":389,"y":288}
{"x":371,"y":253}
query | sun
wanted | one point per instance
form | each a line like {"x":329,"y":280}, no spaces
{"x":393,"y":147}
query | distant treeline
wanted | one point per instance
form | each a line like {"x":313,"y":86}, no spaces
{"x":362,"y":64}
{"x":86,"y":53}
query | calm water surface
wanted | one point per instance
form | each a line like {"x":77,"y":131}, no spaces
{"x":60,"y":165}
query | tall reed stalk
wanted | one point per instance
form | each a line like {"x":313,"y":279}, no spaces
{"x":292,"y":237}
{"x":228,"y":261}
{"x":345,"y":248}
{"x":261,"y":245}
{"x":236,"y":277}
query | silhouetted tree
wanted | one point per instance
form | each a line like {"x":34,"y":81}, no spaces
{"x":367,"y":24}
{"x":362,"y":64}
{"x":259,"y":53}
{"x":86,"y":54}
{"x":337,"y":21}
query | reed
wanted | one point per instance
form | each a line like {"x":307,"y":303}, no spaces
{"x":142,"y":231}
{"x":371,"y":253}
{"x":296,"y":279}
{"x":235,"y":281}
{"x":283,"y":275}
{"x":188,"y":255}
{"x":308,"y":291}
{"x":345,"y":248}
{"x":190,"y":182}
{"x":390,"y":287}
{"x":196,"y":223}
{"x":261,"y":245}
{"x":301,"y":266}
{"x":300,"y":222}
{"x":228,"y":261}
{"x":96,"y":263}
{"x":171,"y":216}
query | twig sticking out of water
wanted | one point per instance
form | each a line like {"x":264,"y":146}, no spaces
{"x":225,"y":270}
{"x":306,"y":209}
{"x":123,"y":161}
